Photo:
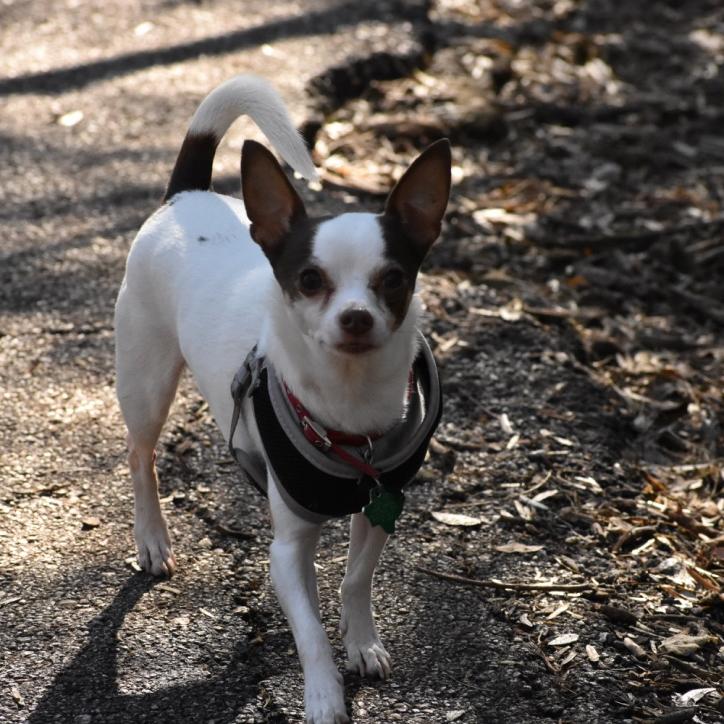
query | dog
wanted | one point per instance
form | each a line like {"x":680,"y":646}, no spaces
{"x":326,"y":307}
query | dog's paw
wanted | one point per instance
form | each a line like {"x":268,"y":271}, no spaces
{"x":155,"y":553}
{"x":365,"y":653}
{"x":368,"y":659}
{"x":324,"y":700}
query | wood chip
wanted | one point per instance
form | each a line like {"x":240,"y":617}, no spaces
{"x":618,"y":615}
{"x":456,"y":519}
{"x":517,"y":548}
{"x":634,"y":648}
{"x":563,"y":640}
{"x":592,"y":653}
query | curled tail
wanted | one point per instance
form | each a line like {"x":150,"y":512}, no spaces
{"x":242,"y":95}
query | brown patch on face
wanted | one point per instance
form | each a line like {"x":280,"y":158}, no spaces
{"x":394,"y":289}
{"x":404,"y":256}
{"x":293,"y":254}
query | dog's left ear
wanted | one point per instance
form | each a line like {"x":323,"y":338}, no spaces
{"x":420,"y":197}
{"x":271,"y":202}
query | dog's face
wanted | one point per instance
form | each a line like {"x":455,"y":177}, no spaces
{"x":348,"y":280}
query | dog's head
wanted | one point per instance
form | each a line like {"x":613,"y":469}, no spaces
{"x":349,"y":279}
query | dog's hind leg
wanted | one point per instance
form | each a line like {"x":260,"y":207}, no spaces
{"x":148,"y":366}
{"x":365,"y":652}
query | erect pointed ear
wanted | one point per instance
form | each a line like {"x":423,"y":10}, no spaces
{"x":420,"y":197}
{"x":271,"y":202}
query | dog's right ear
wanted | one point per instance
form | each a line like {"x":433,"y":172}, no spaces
{"x":271,"y":202}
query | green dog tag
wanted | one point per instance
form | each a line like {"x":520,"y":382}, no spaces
{"x":384,"y":508}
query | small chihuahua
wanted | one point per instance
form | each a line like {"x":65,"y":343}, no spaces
{"x":323,"y":314}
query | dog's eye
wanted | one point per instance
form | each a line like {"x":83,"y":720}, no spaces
{"x":310,"y":281}
{"x":393,"y":280}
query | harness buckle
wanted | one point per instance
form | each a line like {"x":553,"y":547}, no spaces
{"x":316,"y":434}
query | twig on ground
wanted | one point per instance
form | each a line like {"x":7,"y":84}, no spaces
{"x":488,"y":583}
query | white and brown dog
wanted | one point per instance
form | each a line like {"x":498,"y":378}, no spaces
{"x":329,"y":305}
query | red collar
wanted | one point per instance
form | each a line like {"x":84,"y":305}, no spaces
{"x":332,"y":440}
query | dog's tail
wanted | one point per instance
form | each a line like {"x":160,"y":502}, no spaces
{"x":243,"y":95}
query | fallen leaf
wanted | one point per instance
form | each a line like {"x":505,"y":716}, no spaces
{"x":563,"y":640}
{"x":466,"y":521}
{"x":455,"y":715}
{"x":505,"y":424}
{"x":17,"y":696}
{"x":526,"y":621}
{"x":682,"y":644}
{"x":513,"y":442}
{"x":517,"y":548}
{"x":692,"y":696}
{"x":561,"y":609}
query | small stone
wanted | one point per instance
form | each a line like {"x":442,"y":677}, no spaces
{"x":90,"y":522}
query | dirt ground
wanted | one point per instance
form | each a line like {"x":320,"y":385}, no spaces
{"x":561,"y":555}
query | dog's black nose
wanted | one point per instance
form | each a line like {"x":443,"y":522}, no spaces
{"x":356,"y":321}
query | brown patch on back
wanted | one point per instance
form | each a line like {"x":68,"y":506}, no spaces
{"x":194,"y":163}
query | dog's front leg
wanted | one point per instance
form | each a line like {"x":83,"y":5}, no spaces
{"x":365,"y":652}
{"x":292,"y":572}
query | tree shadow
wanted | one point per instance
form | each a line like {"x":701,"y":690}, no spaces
{"x":327,"y":22}
{"x":88,"y":685}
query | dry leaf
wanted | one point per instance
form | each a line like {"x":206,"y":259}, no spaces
{"x":682,"y":644}
{"x":455,"y":715}
{"x":17,"y":696}
{"x":458,"y":519}
{"x":505,"y":424}
{"x":564,"y":640}
{"x":526,"y":621}
{"x":561,"y":609}
{"x":692,"y":696}
{"x":517,"y":548}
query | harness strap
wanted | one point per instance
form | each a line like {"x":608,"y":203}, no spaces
{"x":245,"y":381}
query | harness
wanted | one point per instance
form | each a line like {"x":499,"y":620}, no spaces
{"x":326,"y":474}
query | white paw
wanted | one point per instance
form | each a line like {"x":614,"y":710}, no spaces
{"x":368,"y":659}
{"x":155,"y":553}
{"x":365,"y":653}
{"x":324,"y":699}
